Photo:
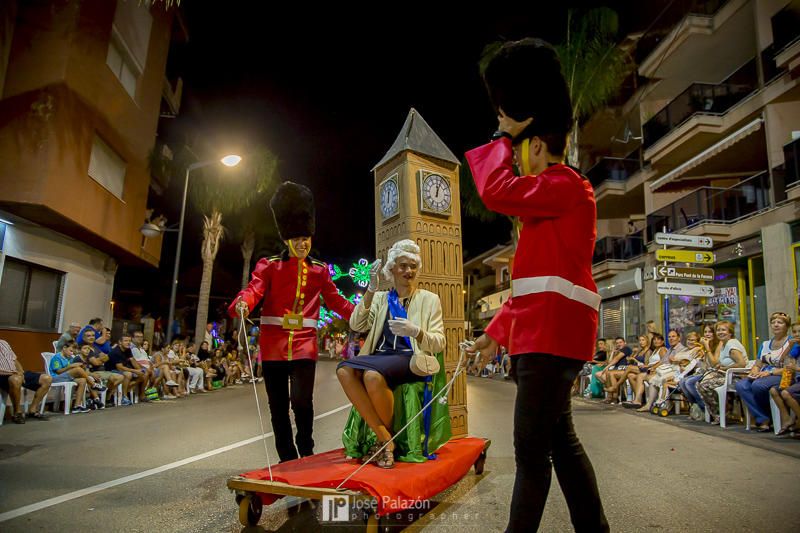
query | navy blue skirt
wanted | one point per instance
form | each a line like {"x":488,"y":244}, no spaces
{"x":393,"y":367}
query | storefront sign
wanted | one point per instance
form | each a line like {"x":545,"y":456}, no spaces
{"x":678,"y":273}
{"x":673,"y":239}
{"x":684,"y":256}
{"x":684,"y":289}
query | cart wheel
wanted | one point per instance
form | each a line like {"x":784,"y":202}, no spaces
{"x":655,"y":409}
{"x":664,"y":413}
{"x":250,"y":508}
{"x":239,"y":498}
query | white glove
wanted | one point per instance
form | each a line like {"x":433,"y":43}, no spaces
{"x":374,"y":273}
{"x":403,"y":328}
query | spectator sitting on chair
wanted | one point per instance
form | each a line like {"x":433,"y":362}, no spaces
{"x":121,"y":361}
{"x":94,"y":381}
{"x":616,"y":366}
{"x":708,"y":343}
{"x":657,"y":349}
{"x":639,"y":360}
{"x":142,"y":357}
{"x":13,"y":378}
{"x":166,"y":377}
{"x":96,"y":362}
{"x":730,"y":353}
{"x":787,"y":398}
{"x":195,"y":373}
{"x":63,"y":371}
{"x":766,"y":372}
{"x":70,"y":335}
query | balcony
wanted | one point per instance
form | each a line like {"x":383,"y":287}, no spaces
{"x":616,"y":169}
{"x":712,"y":205}
{"x":619,"y":248}
{"x":785,"y":27}
{"x":701,"y":99}
{"x":791,"y":158}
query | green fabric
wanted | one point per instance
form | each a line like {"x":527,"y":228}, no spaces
{"x":358,"y":437}
{"x":595,"y":385}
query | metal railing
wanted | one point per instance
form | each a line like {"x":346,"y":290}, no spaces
{"x":785,"y":27}
{"x":712,"y":204}
{"x":612,"y":169}
{"x":619,"y":248}
{"x":791,"y":165}
{"x":701,"y":98}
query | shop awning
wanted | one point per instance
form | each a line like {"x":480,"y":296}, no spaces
{"x":708,"y":153}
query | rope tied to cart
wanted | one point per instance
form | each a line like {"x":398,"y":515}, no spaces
{"x":243,"y":335}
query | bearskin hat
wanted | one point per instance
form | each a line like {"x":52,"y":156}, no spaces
{"x":293,"y":208}
{"x":524,"y":78}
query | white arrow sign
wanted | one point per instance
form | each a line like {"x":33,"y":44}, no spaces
{"x":685,"y":289}
{"x":674,"y":239}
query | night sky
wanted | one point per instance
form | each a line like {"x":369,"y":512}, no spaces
{"x":328,"y":91}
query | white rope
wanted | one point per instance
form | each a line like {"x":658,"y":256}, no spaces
{"x":243,"y":335}
{"x":445,"y":389}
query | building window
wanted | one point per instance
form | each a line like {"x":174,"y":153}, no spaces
{"x":30,"y":295}
{"x":107,"y":168}
{"x":120,"y":64}
{"x":130,"y":40}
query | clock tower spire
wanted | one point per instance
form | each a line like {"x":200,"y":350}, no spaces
{"x":417,"y":198}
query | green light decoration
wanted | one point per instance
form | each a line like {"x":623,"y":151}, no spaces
{"x":335,"y":271}
{"x":359,"y":273}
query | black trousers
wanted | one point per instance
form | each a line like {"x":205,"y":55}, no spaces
{"x":545,"y":438}
{"x":278,"y":375}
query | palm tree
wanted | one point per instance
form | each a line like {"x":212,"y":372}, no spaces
{"x":593,"y":64}
{"x":221,"y":193}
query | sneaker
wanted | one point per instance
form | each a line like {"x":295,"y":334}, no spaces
{"x":168,"y":397}
{"x":91,"y":406}
{"x":80,"y":409}
{"x":125,"y":401}
{"x":99,"y":387}
{"x":171,"y":383}
{"x":99,"y":404}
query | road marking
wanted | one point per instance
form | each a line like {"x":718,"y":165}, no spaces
{"x":27,"y":509}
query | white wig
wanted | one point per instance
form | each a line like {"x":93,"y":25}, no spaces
{"x":405,"y":248}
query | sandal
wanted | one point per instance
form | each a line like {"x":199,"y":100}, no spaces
{"x":367,"y":457}
{"x":386,"y":458}
{"x":785,"y":430}
{"x":19,"y":418}
{"x":37,"y":416}
{"x":643,"y":409}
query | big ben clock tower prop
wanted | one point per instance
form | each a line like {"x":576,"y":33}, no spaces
{"x":417,"y":197}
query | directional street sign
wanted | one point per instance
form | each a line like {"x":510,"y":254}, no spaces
{"x":679,"y":273}
{"x":684,"y":289}
{"x":673,"y":239}
{"x":684,"y":256}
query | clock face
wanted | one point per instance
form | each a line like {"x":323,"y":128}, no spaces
{"x":436,"y":193}
{"x":390,"y":198}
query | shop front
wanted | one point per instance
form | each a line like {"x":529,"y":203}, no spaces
{"x":621,"y":310}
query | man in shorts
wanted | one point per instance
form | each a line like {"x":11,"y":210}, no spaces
{"x":13,"y":377}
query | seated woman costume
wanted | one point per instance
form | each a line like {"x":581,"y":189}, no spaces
{"x":385,"y":392}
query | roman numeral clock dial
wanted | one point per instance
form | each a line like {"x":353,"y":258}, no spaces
{"x":436,"y":194}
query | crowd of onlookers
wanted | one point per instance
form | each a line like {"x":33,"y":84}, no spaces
{"x":105,"y":374}
{"x":657,"y":373}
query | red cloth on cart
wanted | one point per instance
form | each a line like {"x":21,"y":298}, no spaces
{"x":394,"y":489}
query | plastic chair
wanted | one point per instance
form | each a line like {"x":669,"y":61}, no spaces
{"x":776,"y":415}
{"x":730,"y":386}
{"x":3,"y":402}
{"x":55,"y":346}
{"x":66,"y":387}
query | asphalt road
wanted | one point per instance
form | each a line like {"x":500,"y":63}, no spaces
{"x":163,"y":467}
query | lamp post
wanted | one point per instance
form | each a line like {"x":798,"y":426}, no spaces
{"x":229,"y":161}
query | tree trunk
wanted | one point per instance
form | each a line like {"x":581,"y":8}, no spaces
{"x":573,"y":156}
{"x":212,"y":234}
{"x":248,"y":246}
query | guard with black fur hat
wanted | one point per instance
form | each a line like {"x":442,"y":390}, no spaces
{"x":550,"y":322}
{"x":290,"y":285}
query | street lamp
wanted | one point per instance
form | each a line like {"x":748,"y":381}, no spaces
{"x":228,"y":161}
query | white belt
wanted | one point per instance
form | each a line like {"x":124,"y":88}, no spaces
{"x":278,"y":321}
{"x":523,"y":286}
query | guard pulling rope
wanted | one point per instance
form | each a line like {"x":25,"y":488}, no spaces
{"x":446,"y":389}
{"x":243,"y":334}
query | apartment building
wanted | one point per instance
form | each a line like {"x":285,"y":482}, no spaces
{"x":487,"y":286}
{"x":81,"y":88}
{"x":704,"y":141}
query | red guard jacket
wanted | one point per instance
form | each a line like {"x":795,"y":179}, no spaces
{"x":289,"y":285}
{"x":553,"y":308}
